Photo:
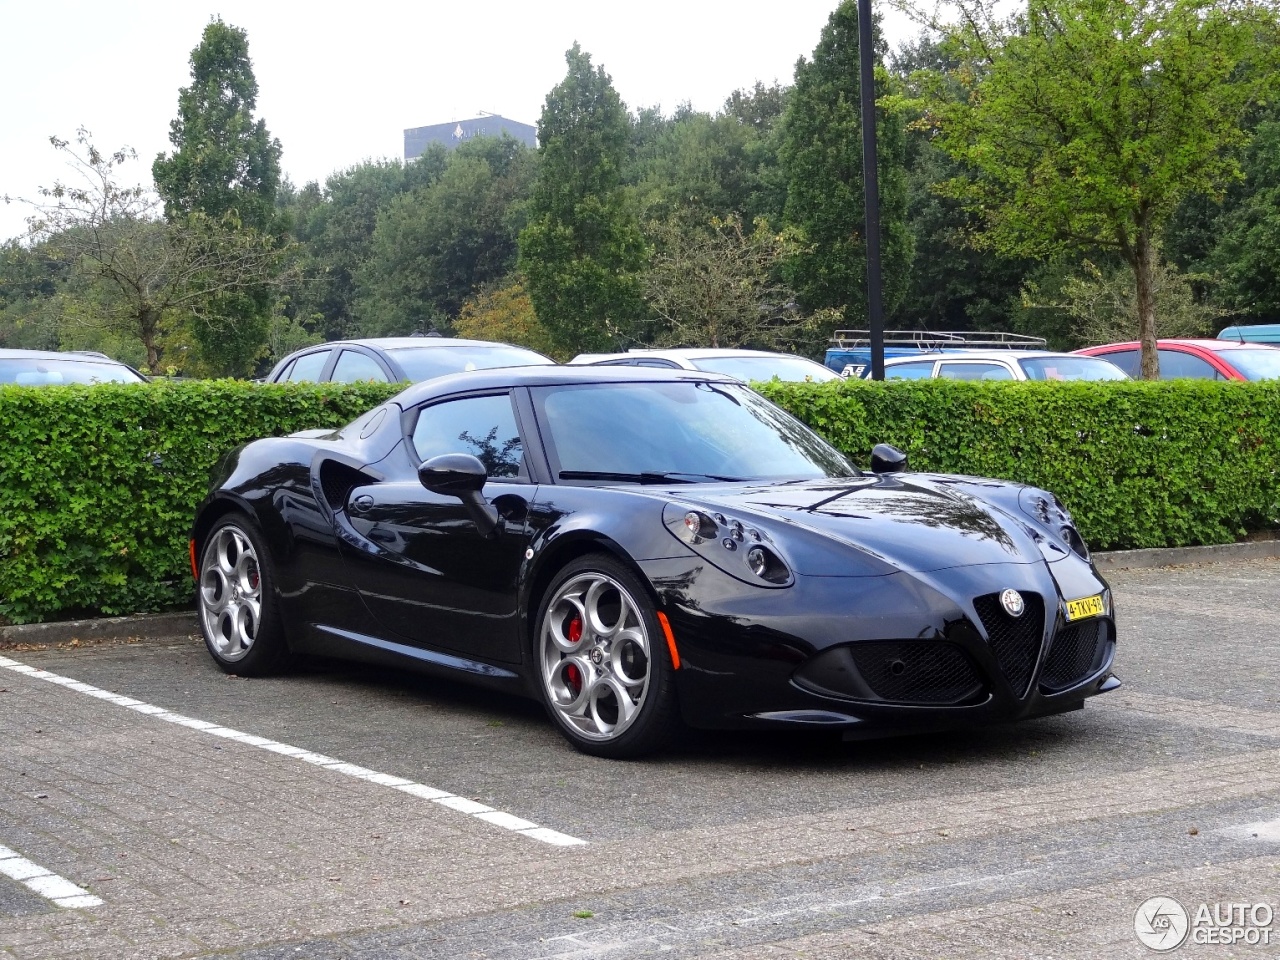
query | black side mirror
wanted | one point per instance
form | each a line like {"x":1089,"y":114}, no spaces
{"x":886,"y":458}
{"x":461,"y":475}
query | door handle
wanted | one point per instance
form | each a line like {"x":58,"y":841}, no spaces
{"x":362,"y":503}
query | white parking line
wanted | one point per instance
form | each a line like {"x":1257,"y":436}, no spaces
{"x":444,"y":798}
{"x":44,"y":882}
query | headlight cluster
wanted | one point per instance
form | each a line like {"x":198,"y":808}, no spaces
{"x":1045,"y":508}
{"x":734,"y":547}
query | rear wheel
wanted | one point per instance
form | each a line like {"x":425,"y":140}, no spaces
{"x":238,"y":607}
{"x":605,"y":673}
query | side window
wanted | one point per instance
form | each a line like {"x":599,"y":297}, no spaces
{"x":1174,"y":364}
{"x":284,"y":374}
{"x":973,"y":371}
{"x":309,"y":366}
{"x":1128,"y":361}
{"x":664,"y":364}
{"x":918,"y":370}
{"x":484,"y":427}
{"x":353,"y":367}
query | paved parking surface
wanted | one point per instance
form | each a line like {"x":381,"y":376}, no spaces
{"x":354,"y":813}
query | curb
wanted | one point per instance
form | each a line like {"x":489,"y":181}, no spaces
{"x":179,"y":623}
{"x":1176,"y":556}
{"x":182,"y":623}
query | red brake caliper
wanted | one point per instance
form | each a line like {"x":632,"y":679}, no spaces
{"x":572,"y":675}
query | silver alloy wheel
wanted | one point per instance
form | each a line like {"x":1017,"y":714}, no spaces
{"x":595,"y":656}
{"x":230,"y":593}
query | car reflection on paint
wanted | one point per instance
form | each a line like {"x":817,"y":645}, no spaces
{"x":642,"y":548}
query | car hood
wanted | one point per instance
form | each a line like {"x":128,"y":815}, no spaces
{"x":913,"y":522}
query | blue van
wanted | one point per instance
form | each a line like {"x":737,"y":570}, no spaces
{"x":1253,"y":333}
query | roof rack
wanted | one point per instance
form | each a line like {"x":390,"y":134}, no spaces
{"x":924,"y":340}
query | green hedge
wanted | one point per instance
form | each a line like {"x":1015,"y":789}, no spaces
{"x":1169,"y":463}
{"x":98,"y":485}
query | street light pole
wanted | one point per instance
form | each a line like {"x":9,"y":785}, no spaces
{"x":871,"y":187}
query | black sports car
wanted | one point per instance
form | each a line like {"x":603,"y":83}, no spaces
{"x":636,"y":547}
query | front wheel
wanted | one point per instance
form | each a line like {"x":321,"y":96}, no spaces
{"x":605,"y":673}
{"x":237,"y":602}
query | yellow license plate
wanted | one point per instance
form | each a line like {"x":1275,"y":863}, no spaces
{"x":1085,"y":607}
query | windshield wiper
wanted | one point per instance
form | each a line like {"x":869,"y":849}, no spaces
{"x":674,"y":476}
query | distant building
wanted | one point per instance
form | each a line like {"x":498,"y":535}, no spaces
{"x":451,"y":134}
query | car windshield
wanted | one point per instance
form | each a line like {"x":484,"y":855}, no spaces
{"x":685,"y":430}
{"x":423,"y":363}
{"x":1071,"y":368}
{"x":794,"y":369}
{"x":39,"y":372}
{"x":1260,"y":364}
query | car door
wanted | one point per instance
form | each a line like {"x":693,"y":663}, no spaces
{"x":423,"y":569}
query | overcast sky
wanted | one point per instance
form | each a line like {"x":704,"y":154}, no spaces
{"x":339,"y":83}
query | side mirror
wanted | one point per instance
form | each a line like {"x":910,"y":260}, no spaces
{"x":886,"y":458}
{"x":461,"y":475}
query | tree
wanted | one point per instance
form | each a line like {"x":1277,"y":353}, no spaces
{"x":504,"y":313}
{"x":334,"y":228}
{"x":132,"y":274}
{"x":1087,"y":121}
{"x":225,"y":169}
{"x":582,"y":251}
{"x":223,"y":161}
{"x":821,"y":154}
{"x":435,"y":246}
{"x":714,"y":284}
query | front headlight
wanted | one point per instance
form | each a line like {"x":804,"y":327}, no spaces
{"x":739,"y":549}
{"x":1044,"y":508}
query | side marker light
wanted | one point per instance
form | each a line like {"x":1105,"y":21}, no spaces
{"x":195,"y":573}
{"x":671,"y":640}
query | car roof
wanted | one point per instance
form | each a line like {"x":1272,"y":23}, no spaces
{"x":1217,"y":346}
{"x":498,"y":378}
{"x":685,"y":353}
{"x":84,"y":356}
{"x":969,"y":355}
{"x":401,"y":343}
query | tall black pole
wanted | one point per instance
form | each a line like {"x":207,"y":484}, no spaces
{"x":871,"y":185}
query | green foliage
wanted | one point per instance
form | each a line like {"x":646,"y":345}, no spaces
{"x":504,"y":313}
{"x":224,"y":161}
{"x":714,"y":284}
{"x":821,"y":154}
{"x":1161,"y":464}
{"x":582,"y":250}
{"x":435,"y":246}
{"x":1101,"y":303}
{"x":99,"y":485}
{"x":224,"y":173}
{"x":1086,"y":122}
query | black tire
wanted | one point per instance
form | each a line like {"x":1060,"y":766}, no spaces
{"x":236,"y":602}
{"x":597,"y":640}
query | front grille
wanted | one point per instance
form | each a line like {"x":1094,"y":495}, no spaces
{"x":916,"y":672}
{"x":1014,"y":640}
{"x":924,"y":672}
{"x":1074,"y":655}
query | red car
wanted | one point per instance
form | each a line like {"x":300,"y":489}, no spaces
{"x":1202,"y":359}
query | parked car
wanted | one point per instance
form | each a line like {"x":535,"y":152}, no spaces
{"x":636,"y":546}
{"x":1000,"y":365}
{"x":43,"y":368}
{"x":744,"y":365}
{"x":389,"y":359}
{"x":1202,"y":359}
{"x":1252,"y":333}
{"x":850,"y":351}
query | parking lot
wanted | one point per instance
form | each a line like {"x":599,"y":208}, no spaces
{"x":354,"y":813}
